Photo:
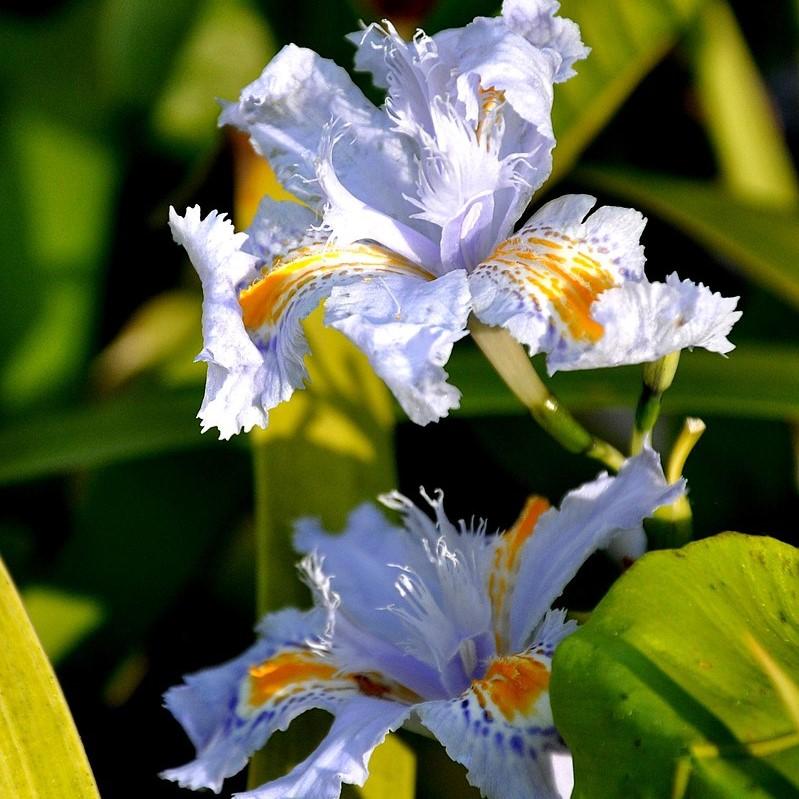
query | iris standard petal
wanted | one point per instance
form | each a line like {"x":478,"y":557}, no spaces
{"x":279,"y":227}
{"x":235,"y":366}
{"x":406,"y":327}
{"x":644,"y":321}
{"x":288,"y":108}
{"x":360,"y":725}
{"x":537,"y":22}
{"x":501,"y":727}
{"x":562,"y":539}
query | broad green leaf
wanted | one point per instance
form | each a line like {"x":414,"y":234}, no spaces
{"x":63,"y":179}
{"x":118,"y":429}
{"x":61,"y":619}
{"x":754,"y":160}
{"x":762,"y":242}
{"x":42,"y":756}
{"x":627,"y":39}
{"x":663,"y":692}
{"x":755,"y":380}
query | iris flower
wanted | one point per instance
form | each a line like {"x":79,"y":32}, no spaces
{"x":406,"y":218}
{"x":428,"y":624}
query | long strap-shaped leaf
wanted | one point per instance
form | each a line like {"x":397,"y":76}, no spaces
{"x":41,"y":756}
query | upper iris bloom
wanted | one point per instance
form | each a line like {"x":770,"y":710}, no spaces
{"x":444,"y":627}
{"x":407,"y":218}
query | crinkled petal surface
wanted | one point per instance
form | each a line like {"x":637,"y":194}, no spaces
{"x":407,"y":328}
{"x":279,"y":227}
{"x":286,"y":111}
{"x":645,"y":321}
{"x":235,"y":366}
{"x":360,"y":725}
{"x":587,"y":519}
{"x":501,"y":727}
{"x":537,"y":22}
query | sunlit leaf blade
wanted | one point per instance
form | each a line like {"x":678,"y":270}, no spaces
{"x":627,"y":38}
{"x":659,"y":695}
{"x":42,"y":756}
{"x":392,"y":771}
{"x":762,"y":242}
{"x":738,"y":114}
{"x":755,"y":380}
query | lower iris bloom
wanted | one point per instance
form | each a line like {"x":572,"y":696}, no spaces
{"x":428,"y":624}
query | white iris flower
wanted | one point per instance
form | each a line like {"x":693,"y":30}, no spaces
{"x":407,"y":222}
{"x":430,"y":624}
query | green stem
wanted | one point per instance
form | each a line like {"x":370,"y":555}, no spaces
{"x":657,"y":378}
{"x":509,"y":359}
{"x":672,"y":525}
{"x":274,"y":586}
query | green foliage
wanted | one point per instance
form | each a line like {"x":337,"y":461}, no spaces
{"x":665,"y":691}
{"x":42,"y":754}
{"x":627,"y":39}
{"x":754,"y":160}
{"x":756,"y":380}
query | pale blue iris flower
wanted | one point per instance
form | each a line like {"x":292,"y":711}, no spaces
{"x":407,"y":218}
{"x":428,"y":624}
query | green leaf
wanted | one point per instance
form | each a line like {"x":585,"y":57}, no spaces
{"x":738,"y":113}
{"x":627,"y":39}
{"x":663,"y":692}
{"x":762,"y":242}
{"x":755,"y":380}
{"x":42,"y":755}
{"x":227,"y":47}
{"x":119,"y":429}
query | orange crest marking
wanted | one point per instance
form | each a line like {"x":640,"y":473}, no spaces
{"x":569,"y":278}
{"x":266,"y":299}
{"x":512,"y":684}
{"x":506,"y":563}
{"x":283,"y":672}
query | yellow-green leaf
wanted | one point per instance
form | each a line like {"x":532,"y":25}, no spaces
{"x":392,"y":771}
{"x":738,"y":114}
{"x":682,"y":681}
{"x":627,"y":38}
{"x":41,"y":756}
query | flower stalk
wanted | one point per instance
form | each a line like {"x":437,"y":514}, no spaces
{"x":512,"y":364}
{"x":657,"y":378}
{"x":672,"y":525}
